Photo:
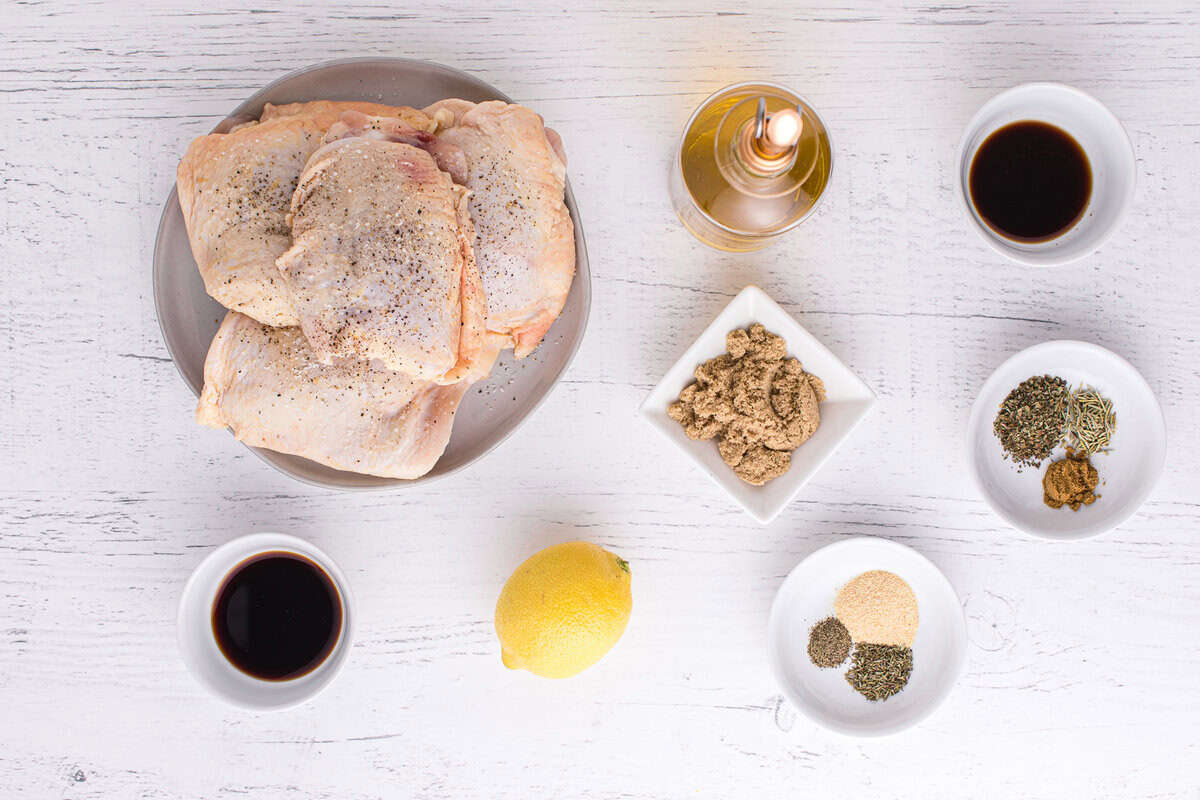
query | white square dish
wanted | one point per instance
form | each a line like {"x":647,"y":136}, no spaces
{"x":847,"y":401}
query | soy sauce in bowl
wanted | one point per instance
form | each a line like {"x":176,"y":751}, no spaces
{"x":277,"y":616}
{"x":1030,"y":181}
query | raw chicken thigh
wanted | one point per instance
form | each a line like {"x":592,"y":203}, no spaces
{"x":381,"y":265}
{"x":235,"y":190}
{"x":524,"y":240}
{"x":345,"y":239}
{"x":266,"y":385}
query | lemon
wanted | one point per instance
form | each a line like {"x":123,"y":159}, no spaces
{"x":563,"y":609}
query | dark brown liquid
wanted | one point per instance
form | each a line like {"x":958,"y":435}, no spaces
{"x":1030,"y":181}
{"x":277,"y":616}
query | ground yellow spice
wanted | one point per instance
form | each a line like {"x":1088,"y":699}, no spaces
{"x":878,"y":607}
{"x":1070,"y":482}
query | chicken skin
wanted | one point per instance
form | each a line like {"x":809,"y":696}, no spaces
{"x":235,"y":190}
{"x":267,"y":386}
{"x":381,"y":265}
{"x":524,"y":240}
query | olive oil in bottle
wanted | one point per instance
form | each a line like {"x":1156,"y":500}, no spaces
{"x":753,"y":163}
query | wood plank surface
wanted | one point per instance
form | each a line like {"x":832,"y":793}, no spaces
{"x":1081,"y":672}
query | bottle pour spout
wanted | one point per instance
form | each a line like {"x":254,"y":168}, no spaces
{"x":768,"y":146}
{"x":783,"y":129}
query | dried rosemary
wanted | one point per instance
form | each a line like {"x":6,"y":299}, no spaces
{"x":1032,"y":418}
{"x":878,"y":671}
{"x":1090,"y":421}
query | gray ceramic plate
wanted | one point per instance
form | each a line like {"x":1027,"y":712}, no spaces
{"x":494,"y":408}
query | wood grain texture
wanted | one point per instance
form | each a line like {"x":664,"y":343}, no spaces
{"x":1081,"y":674}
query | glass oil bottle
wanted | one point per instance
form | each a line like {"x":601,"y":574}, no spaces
{"x":753,"y":163}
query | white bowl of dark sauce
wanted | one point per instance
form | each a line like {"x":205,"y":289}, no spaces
{"x":265,"y":621}
{"x":1046,"y":173}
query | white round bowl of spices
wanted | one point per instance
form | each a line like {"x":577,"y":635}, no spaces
{"x":866,"y":637}
{"x":1066,"y":440}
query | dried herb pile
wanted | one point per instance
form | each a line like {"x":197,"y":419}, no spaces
{"x":1090,"y":421}
{"x":1031,"y":420}
{"x":878,"y":671}
{"x":828,"y":643}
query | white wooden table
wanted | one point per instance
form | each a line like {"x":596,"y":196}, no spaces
{"x":1081,"y":679}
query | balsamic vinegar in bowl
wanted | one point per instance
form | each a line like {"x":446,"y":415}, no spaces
{"x":1030,"y":181}
{"x":277,"y":616}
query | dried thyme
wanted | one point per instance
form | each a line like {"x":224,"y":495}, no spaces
{"x":1032,"y":419}
{"x":1090,"y":421}
{"x":879,"y":671}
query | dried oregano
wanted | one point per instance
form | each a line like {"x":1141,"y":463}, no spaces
{"x":1032,"y":419}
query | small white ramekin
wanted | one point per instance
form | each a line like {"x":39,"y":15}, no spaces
{"x":1103,"y":139}
{"x":198,"y":645}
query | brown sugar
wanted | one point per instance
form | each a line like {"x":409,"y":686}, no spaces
{"x":759,"y":404}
